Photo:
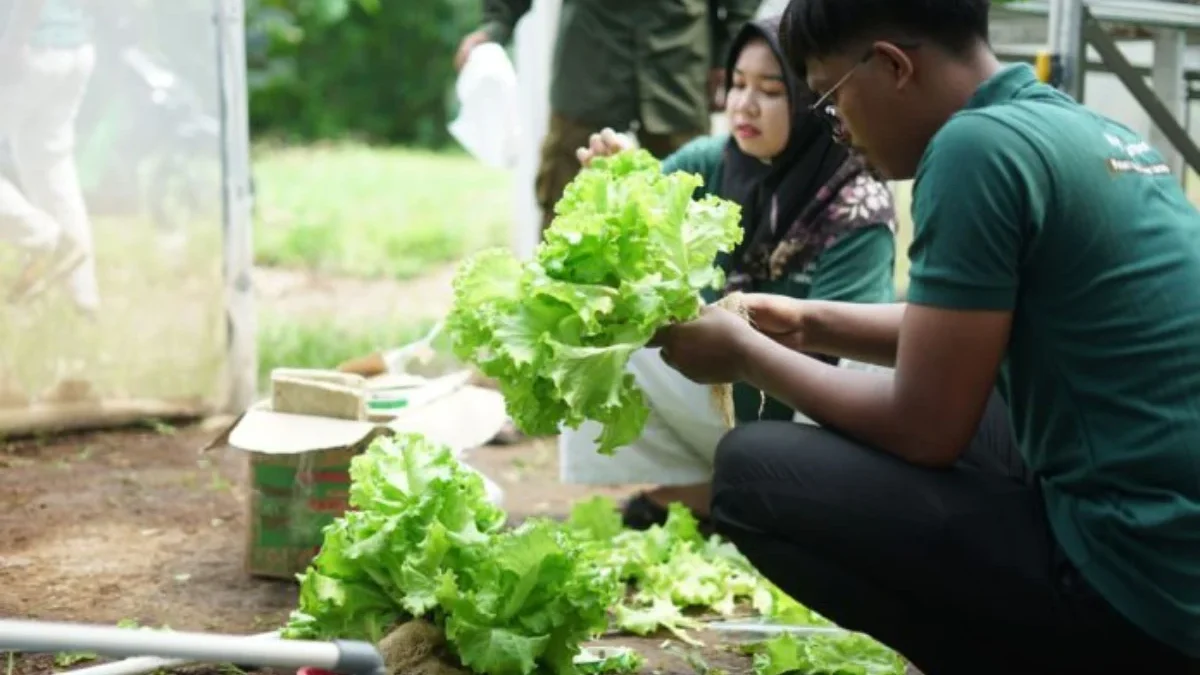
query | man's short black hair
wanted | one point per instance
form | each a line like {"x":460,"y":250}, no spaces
{"x":820,"y":28}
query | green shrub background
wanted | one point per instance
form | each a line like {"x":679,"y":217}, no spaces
{"x":379,"y":71}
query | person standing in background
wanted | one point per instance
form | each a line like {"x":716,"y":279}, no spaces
{"x":46,"y":61}
{"x":653,"y":65}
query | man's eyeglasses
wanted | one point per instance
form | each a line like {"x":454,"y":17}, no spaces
{"x":823,"y":109}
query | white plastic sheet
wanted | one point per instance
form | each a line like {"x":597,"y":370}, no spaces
{"x":488,"y":124}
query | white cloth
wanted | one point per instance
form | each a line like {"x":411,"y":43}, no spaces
{"x":37,"y":118}
{"x":678,"y":444}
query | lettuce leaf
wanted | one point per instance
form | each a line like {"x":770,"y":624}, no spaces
{"x":628,"y":253}
{"x":673,"y":572}
{"x":423,"y":541}
{"x":845,"y":654}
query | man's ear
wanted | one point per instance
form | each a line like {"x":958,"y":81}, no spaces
{"x":897,"y":61}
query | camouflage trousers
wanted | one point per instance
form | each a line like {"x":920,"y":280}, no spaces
{"x":558,"y":164}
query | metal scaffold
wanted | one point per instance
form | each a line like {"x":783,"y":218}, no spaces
{"x":1075,"y":25}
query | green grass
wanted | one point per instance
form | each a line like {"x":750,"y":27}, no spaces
{"x":323,"y":342}
{"x":365,"y":211}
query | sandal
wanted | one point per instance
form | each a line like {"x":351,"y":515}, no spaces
{"x":641,"y":513}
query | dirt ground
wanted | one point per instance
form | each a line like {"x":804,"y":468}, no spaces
{"x":140,"y":525}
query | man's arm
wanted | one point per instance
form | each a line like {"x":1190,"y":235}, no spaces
{"x":858,"y":269}
{"x":869,"y":333}
{"x":980,"y":194}
{"x":926,"y":413}
{"x":22,"y":19}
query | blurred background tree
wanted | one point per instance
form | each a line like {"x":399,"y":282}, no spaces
{"x":374,"y":70}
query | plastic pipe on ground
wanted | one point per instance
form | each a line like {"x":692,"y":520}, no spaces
{"x":140,"y":665}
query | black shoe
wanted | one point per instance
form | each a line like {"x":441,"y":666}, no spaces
{"x":642,"y":513}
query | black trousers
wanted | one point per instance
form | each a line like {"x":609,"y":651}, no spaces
{"x":955,"y":569}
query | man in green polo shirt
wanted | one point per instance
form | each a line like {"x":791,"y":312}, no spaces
{"x":46,"y":61}
{"x":1054,"y":255}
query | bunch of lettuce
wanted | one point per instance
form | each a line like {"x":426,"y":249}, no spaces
{"x":422,"y":541}
{"x":673,"y":572}
{"x":628,"y":253}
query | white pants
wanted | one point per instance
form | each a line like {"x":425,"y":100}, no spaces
{"x":37,"y":118}
{"x":678,"y":444}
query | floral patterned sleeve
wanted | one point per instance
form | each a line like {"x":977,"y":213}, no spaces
{"x":858,"y":263}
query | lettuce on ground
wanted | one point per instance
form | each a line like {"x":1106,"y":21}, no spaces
{"x":628,"y":253}
{"x":825,"y":654}
{"x":672,"y":572}
{"x":422,"y":541}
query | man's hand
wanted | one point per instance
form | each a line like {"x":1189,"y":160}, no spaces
{"x":861,"y":331}
{"x":468,"y":43}
{"x":711,"y":349}
{"x":603,"y":144}
{"x":779,"y":317}
{"x":716,"y":89}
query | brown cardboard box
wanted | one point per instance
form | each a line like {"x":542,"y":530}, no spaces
{"x":299,"y":463}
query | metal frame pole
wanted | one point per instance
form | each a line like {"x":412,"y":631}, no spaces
{"x":1067,"y":46}
{"x":1159,"y":114}
{"x":242,"y":352}
{"x":1170,"y":49}
{"x":1074,"y":26}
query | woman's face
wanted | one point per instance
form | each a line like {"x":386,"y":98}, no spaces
{"x":757,"y":104}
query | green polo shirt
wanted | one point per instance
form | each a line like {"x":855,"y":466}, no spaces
{"x":1029,"y":202}
{"x":859,"y":267}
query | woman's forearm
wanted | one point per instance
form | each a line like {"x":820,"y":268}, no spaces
{"x":862,"y":332}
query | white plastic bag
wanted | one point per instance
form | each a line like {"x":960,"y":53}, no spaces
{"x":488,"y":122}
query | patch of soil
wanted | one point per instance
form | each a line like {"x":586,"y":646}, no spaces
{"x":134,"y":524}
{"x":139,"y":525}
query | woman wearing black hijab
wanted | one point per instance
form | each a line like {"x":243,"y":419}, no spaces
{"x":818,"y":225}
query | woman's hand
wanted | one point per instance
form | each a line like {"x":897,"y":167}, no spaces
{"x":603,"y":144}
{"x":712,"y":349}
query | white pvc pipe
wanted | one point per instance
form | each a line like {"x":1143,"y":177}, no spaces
{"x":140,"y":665}
{"x":46,"y":637}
